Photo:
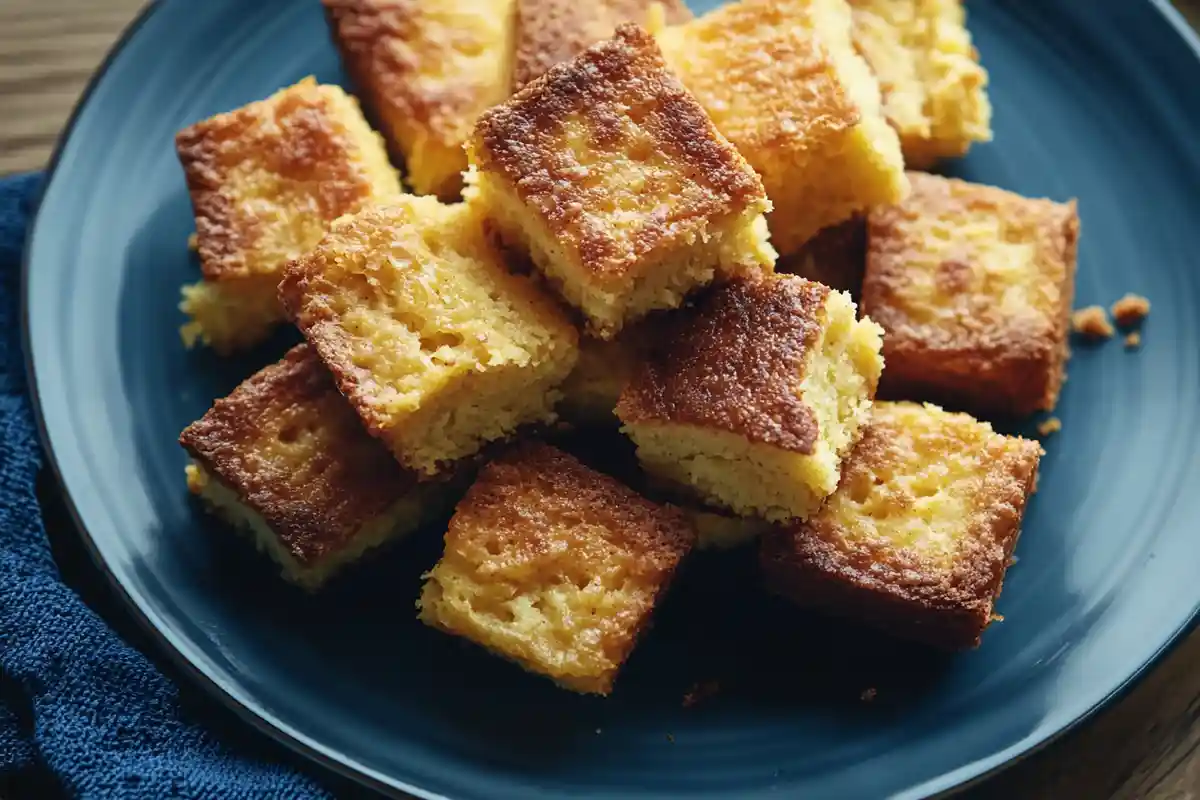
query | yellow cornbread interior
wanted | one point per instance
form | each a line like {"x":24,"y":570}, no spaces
{"x":838,"y":383}
{"x":628,"y":190}
{"x":229,"y":315}
{"x":406,"y":515}
{"x":934,"y":89}
{"x":919,"y":492}
{"x":782,"y":81}
{"x":277,"y":187}
{"x":972,"y":264}
{"x":448,"y":349}
{"x":456,"y":58}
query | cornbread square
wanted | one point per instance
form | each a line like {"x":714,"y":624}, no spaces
{"x":919,"y":534}
{"x":265,"y":181}
{"x":755,"y":396}
{"x":607,"y":171}
{"x":426,"y":70}
{"x":554,"y":566}
{"x":285,"y":458}
{"x":435,"y":344}
{"x":934,"y":90}
{"x":550,"y":32}
{"x":782,"y":81}
{"x":836,"y":257}
{"x":973,"y":286}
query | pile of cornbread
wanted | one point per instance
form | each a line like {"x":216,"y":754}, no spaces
{"x":704,"y":234}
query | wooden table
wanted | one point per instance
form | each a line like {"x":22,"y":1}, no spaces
{"x":1147,"y":746}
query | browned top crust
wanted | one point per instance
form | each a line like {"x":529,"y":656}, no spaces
{"x":621,"y":98}
{"x":426,"y":68}
{"x":970,"y":580}
{"x":293,"y":450}
{"x":290,"y":147}
{"x":550,"y":32}
{"x":734,"y":362}
{"x":973,"y":315}
{"x":537,"y":511}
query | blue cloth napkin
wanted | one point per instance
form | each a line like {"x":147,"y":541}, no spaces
{"x":81,"y":712}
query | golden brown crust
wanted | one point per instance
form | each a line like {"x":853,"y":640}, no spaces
{"x":533,"y":495}
{"x":293,"y":137}
{"x":407,"y":59}
{"x":836,"y":257}
{"x":607,"y":88}
{"x":734,"y":361}
{"x":903,"y":590}
{"x":549,"y":32}
{"x":537,"y":517}
{"x":968,"y":348}
{"x":293,"y":450}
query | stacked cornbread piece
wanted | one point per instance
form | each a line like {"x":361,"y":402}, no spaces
{"x":695,"y":233}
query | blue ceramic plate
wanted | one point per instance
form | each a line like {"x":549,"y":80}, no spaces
{"x":1098,"y":100}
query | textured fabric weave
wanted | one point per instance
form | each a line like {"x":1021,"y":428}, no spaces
{"x":82,"y":712}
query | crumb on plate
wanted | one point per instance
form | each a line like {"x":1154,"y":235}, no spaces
{"x":1092,"y":322}
{"x":1049,"y":426}
{"x":1130,"y":310}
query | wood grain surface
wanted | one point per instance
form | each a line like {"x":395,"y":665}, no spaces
{"x":1145,"y":746}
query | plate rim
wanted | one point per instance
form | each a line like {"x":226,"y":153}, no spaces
{"x":181,"y":653}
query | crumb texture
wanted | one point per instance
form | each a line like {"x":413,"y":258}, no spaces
{"x":438,"y":347}
{"x":285,"y":456}
{"x":427,"y":69}
{"x":934,"y":89}
{"x":554,"y":566}
{"x":973,"y":286}
{"x":920,"y":530}
{"x":611,"y":175}
{"x":756,"y":394}
{"x":782,"y":81}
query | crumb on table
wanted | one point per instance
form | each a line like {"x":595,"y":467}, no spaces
{"x":1130,"y":310}
{"x":1049,"y":426}
{"x":193,"y":242}
{"x":1092,"y":322}
{"x":1133,"y":340}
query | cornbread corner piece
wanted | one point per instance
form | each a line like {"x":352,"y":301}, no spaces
{"x":934,"y":89}
{"x":973,"y":286}
{"x":549,"y":32}
{"x":782,"y":81}
{"x":285,"y":458}
{"x":608,"y":172}
{"x":426,"y":70}
{"x":554,"y":566}
{"x":836,"y":257}
{"x":756,"y":395}
{"x":918,"y":536}
{"x":265,"y":182}
{"x":435,"y":344}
